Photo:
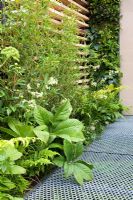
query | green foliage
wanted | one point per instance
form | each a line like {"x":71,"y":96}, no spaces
{"x":63,"y":112}
{"x":10,"y":52}
{"x":72,"y":151}
{"x":6,"y":184}
{"x":8,"y":197}
{"x":105,"y":11}
{"x":103,"y":36}
{"x":9,"y":168}
{"x":42,"y":116}
{"x":18,"y":129}
{"x":39,"y":67}
{"x":98,"y":109}
{"x":37,"y":161}
{"x":79,"y":168}
{"x":59,"y":124}
{"x":99,"y":105}
{"x":9,"y":154}
{"x":39,"y":59}
{"x":57,"y":140}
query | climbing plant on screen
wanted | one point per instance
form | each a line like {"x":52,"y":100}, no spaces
{"x":103,"y":37}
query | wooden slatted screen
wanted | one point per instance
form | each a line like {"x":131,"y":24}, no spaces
{"x":56,"y":11}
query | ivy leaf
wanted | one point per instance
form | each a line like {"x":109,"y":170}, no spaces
{"x":42,"y":116}
{"x":63,"y":112}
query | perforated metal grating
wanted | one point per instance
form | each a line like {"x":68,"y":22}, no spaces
{"x":112,"y":157}
{"x":118,"y":138}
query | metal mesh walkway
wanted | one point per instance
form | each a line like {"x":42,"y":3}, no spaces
{"x":112,"y":156}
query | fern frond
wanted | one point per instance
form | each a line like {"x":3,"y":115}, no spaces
{"x":39,"y":162}
{"x":23,"y":141}
{"x":48,"y":153}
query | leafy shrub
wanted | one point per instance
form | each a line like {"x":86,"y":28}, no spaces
{"x":103,"y":36}
{"x":98,"y":109}
{"x":39,"y":66}
{"x":105,"y":11}
{"x":104,"y":57}
{"x":39,"y":59}
{"x":54,"y":140}
{"x":9,"y":169}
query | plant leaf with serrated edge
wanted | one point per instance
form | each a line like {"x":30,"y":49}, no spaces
{"x":59,"y":161}
{"x":63,"y":112}
{"x":42,"y":135}
{"x":42,"y":116}
{"x":72,"y":151}
{"x":70,"y":129}
{"x":85,"y":163}
{"x":68,"y":169}
{"x":68,"y":150}
{"x":78,"y":176}
{"x":81,"y":171}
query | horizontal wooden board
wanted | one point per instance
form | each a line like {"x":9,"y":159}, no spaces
{"x":80,"y":8}
{"x":58,"y":10}
{"x":61,"y":7}
{"x":83,"y":81}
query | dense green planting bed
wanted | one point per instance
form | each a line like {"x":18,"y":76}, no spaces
{"x":45,"y":118}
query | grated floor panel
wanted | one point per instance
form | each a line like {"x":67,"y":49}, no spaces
{"x":112,"y":156}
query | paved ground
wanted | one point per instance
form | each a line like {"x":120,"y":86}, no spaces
{"x":112,"y":156}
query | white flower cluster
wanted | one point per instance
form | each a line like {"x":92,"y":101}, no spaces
{"x":31,"y":103}
{"x":37,"y":94}
{"x":22,"y":9}
{"x":92,"y":128}
{"x":112,"y":72}
{"x":34,"y":94}
{"x":52,"y":81}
